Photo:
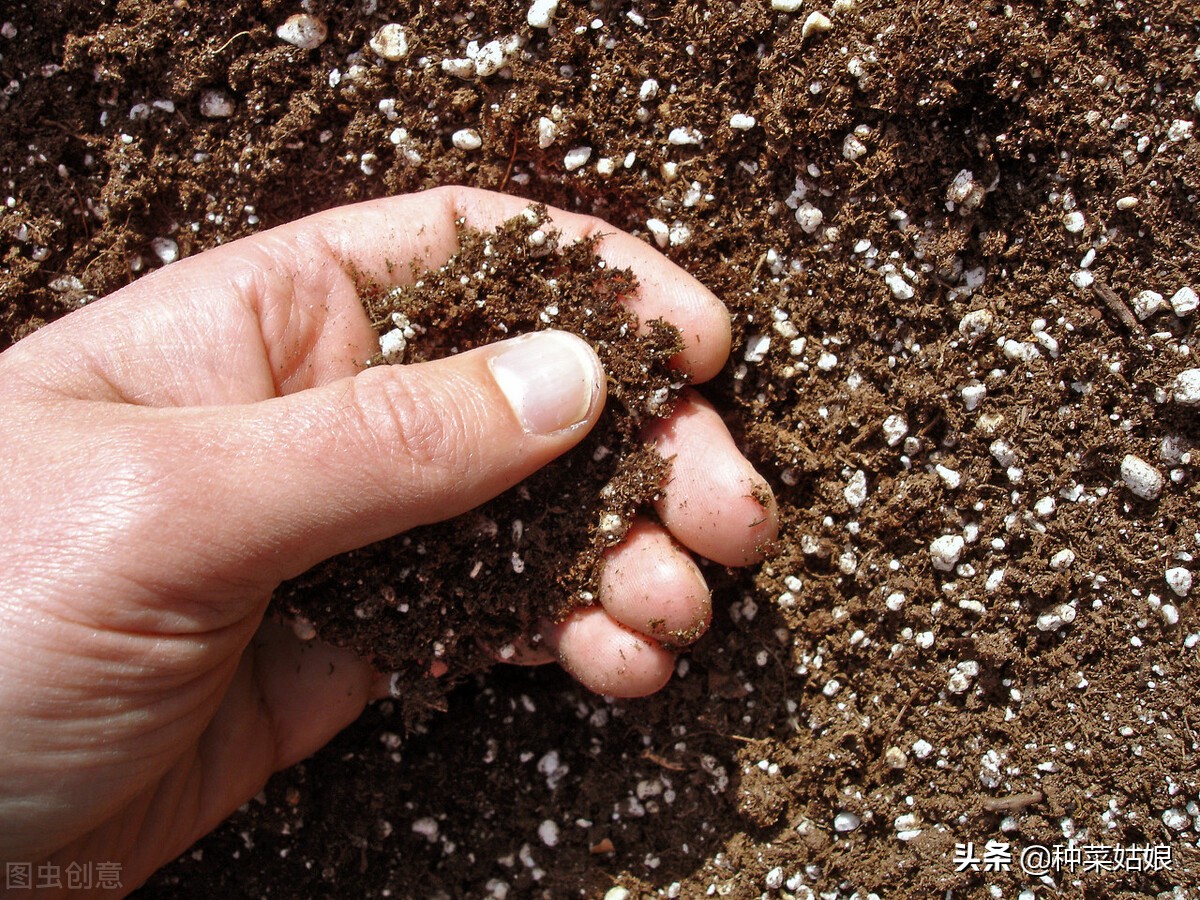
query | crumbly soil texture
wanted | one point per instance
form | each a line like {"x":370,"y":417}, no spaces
{"x":960,"y":243}
{"x":458,"y":592}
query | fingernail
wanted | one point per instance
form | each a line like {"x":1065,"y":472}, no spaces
{"x":551,"y":380}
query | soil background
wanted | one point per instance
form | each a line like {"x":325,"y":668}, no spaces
{"x":846,"y":681}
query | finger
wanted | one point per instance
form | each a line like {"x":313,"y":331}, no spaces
{"x":715,"y":504}
{"x":281,"y":311}
{"x":608,"y":658}
{"x":287,"y":699}
{"x":295,"y":480}
{"x":652,"y":586}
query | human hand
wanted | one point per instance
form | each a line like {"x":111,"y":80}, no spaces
{"x":172,"y":452}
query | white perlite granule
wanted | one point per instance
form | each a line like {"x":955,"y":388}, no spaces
{"x":541,"y":13}
{"x":548,"y":832}
{"x":547,"y":132}
{"x":945,"y":551}
{"x":427,"y":827}
{"x":846,"y":821}
{"x":215,"y":104}
{"x":466,"y":139}
{"x":1187,"y":388}
{"x":1056,"y":618}
{"x":303,"y":31}
{"x":390,"y":42}
{"x":1141,"y":478}
{"x":1179,"y":580}
{"x":1147,"y":303}
{"x":816,"y":23}
{"x":895,"y":427}
{"x":1184,"y":301}
{"x":856,"y":490}
{"x":576,"y":158}
{"x":808,"y":217}
{"x":165,"y":249}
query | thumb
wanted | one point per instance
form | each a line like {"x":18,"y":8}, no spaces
{"x":294,"y":480}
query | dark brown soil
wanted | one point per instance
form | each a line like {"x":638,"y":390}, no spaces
{"x":818,"y":688}
{"x":457,"y":591}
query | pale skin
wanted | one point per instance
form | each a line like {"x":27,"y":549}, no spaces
{"x":174,"y":451}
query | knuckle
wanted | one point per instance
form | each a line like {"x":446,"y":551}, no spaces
{"x":409,"y":430}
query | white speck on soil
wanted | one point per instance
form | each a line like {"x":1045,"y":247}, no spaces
{"x":1179,"y":580}
{"x":816,"y":23}
{"x":856,"y":490}
{"x":972,"y":395}
{"x":659,"y":230}
{"x":392,"y":345}
{"x":757,"y":346}
{"x":459,"y":68}
{"x":1062,"y":560}
{"x":1187,"y":388}
{"x":390,"y":42}
{"x":853,"y":148}
{"x":900,"y":288}
{"x":1141,"y":478}
{"x":685,"y":137}
{"x":808,"y":217}
{"x":1074,"y":222}
{"x":215,"y":104}
{"x":1056,"y":618}
{"x":466,"y":139}
{"x":1147,"y":303}
{"x":846,"y":821}
{"x":976,"y":323}
{"x":165,"y":249}
{"x":576,"y":158}
{"x":895,"y":427}
{"x":945,"y":551}
{"x":427,"y":827}
{"x":541,"y":13}
{"x":1184,"y":301}
{"x":547,"y":132}
{"x":302,"y":30}
{"x":774,"y":879}
{"x":950,"y":477}
{"x":548,"y":832}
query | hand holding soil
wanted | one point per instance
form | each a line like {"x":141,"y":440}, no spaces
{"x":176,"y":450}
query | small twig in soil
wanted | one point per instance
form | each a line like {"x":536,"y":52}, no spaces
{"x":665,"y":763}
{"x":512,"y":158}
{"x":221,"y":49}
{"x":743,"y":738}
{"x":1117,"y":307}
{"x":65,"y":130}
{"x":757,"y":268}
{"x":1014,"y":802}
{"x":904,"y":709}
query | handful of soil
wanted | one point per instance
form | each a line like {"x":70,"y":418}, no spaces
{"x":451,"y":590}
